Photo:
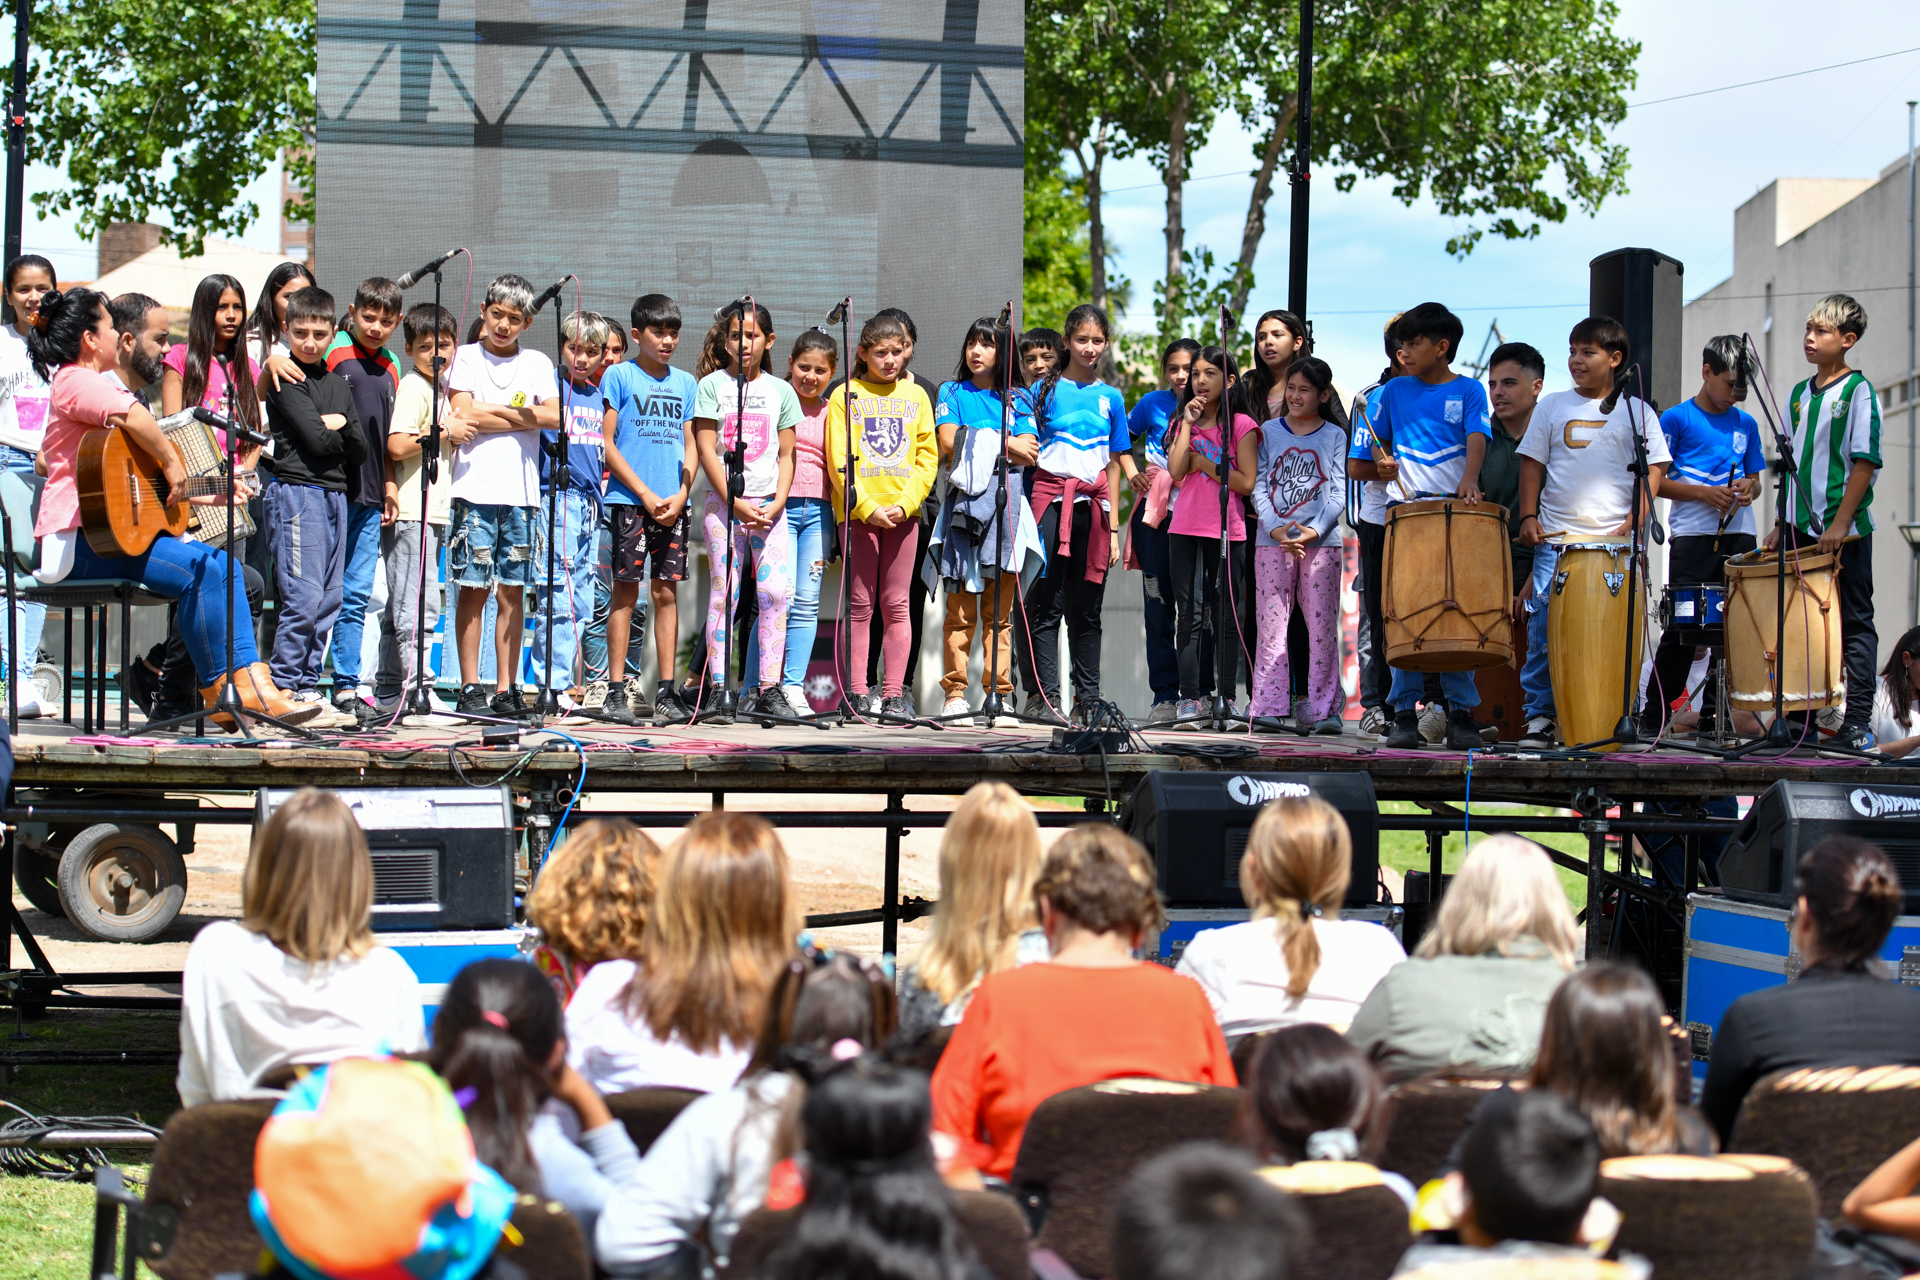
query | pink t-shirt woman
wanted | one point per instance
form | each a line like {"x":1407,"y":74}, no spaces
{"x":81,"y":400}
{"x":1197,"y":513}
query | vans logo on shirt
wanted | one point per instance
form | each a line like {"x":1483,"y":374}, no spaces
{"x":1581,"y":432}
{"x":663,"y":407}
{"x":1456,"y":410}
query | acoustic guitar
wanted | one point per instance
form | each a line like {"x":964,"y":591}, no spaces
{"x":123,"y":494}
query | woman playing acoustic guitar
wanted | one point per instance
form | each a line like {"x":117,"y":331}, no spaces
{"x":74,"y":345}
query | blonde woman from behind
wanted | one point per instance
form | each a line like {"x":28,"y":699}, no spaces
{"x":1296,"y":961}
{"x":297,"y":979}
{"x":986,"y":920}
{"x":1473,"y":1000}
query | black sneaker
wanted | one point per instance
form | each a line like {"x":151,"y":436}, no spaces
{"x":1038,"y":708}
{"x":352,"y":704}
{"x":616,"y":709}
{"x":1405,"y":734}
{"x":773,"y":702}
{"x":474,"y":700}
{"x":712,"y":711}
{"x":1462,"y":733}
{"x":509,"y":705}
{"x":669,"y":709}
{"x":899,"y":707}
{"x":1853,"y":737}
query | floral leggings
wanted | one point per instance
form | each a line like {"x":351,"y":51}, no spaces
{"x":767,"y":555}
{"x":1315,"y":579}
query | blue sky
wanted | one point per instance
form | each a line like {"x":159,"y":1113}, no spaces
{"x":1693,"y":162}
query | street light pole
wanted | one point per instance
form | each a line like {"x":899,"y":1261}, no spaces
{"x":1298,"y":172}
{"x":17,"y":131}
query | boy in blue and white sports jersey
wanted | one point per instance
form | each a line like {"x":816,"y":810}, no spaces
{"x":1715,"y":474}
{"x":576,"y":507}
{"x":1084,"y":443}
{"x":1149,"y":542}
{"x":1835,"y":420}
{"x":1367,"y":513}
{"x":1430,"y":432}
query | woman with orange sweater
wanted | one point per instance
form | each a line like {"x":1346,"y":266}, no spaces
{"x":1092,"y":1013}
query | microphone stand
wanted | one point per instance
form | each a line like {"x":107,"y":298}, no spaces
{"x":546,"y":702}
{"x":726,"y":700}
{"x":227,"y":701}
{"x":419,"y":701}
{"x":1219,"y":715}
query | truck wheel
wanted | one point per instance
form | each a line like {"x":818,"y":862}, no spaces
{"x":39,"y":879}
{"x":122,"y":883}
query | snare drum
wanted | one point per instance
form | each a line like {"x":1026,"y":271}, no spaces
{"x":1694,"y":613}
{"x":1587,"y":635}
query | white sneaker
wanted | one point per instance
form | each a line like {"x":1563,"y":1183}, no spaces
{"x":305,"y":696}
{"x":1374,"y":723}
{"x":596,"y":695}
{"x":1433,"y":722}
{"x":1541,"y":733}
{"x":331,"y":717}
{"x":955,"y":708}
{"x":797,"y":699}
{"x":34,"y":707}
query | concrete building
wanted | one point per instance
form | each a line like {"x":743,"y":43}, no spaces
{"x":1794,"y":242}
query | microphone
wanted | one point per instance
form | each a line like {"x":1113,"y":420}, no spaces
{"x":228,"y":425}
{"x":553,"y":291}
{"x":839,"y":311}
{"x":1006,"y":317}
{"x":412,"y":278}
{"x":1619,"y":388}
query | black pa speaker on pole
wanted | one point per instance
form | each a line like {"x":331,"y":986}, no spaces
{"x":1641,"y":289}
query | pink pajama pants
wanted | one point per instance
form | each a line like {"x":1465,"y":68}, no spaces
{"x":1314,"y":579}
{"x":763,"y":557}
{"x":882,"y":567}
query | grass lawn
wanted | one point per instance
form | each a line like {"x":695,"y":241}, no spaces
{"x":46,"y":1227}
{"x":1407,"y":850}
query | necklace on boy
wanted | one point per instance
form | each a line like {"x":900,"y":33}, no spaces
{"x":499,"y":384}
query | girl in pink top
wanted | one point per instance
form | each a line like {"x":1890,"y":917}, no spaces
{"x":1197,"y":462}
{"x":212,"y":368}
{"x":74,"y":346}
{"x":810,"y":368}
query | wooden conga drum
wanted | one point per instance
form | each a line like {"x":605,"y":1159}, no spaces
{"x":1587,"y":636}
{"x":1812,"y":665}
{"x":1447,"y":586}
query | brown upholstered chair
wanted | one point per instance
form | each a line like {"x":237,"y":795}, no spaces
{"x":551,"y":1247}
{"x":1081,"y":1146}
{"x":1837,"y":1123}
{"x":1360,"y":1225}
{"x":1423,"y":1118}
{"x":1521,"y":1269}
{"x":648,"y":1112}
{"x":1726,"y":1218}
{"x":992,"y":1222}
{"x":203,"y":1167}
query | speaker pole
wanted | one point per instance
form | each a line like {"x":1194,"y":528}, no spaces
{"x":1298,"y":173}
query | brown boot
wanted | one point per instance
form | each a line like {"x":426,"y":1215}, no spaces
{"x":259,"y":693}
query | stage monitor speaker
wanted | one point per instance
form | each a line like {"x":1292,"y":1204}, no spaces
{"x":1195,"y":825}
{"x":1790,"y":818}
{"x":443,"y":857}
{"x":1641,"y":288}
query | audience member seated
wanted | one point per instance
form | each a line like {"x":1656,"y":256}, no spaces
{"x":1882,"y":1228}
{"x":1311,"y":1096}
{"x":498,"y":1042}
{"x":686,"y":1015}
{"x":1092,"y":1013}
{"x":1839,"y":1011}
{"x":1296,"y":960}
{"x":1526,"y":1188}
{"x":1606,"y":1050}
{"x":1473,"y":999}
{"x":875,"y":1206}
{"x":1201,"y":1211}
{"x":592,"y":899}
{"x":298,"y":979}
{"x":711,"y":1167}
{"x":985,"y":920}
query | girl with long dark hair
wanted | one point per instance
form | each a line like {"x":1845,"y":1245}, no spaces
{"x":1896,"y":702}
{"x":23,"y":422}
{"x":212,"y":367}
{"x":1309,"y":1095}
{"x":267,"y":329}
{"x":1279,"y":338}
{"x":499,"y":1040}
{"x":75,"y":347}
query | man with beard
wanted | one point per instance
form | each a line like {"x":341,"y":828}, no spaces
{"x":142,"y":325}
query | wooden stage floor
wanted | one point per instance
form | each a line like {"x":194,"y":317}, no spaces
{"x":871,"y":760}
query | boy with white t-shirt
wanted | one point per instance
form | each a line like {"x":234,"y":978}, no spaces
{"x":495,"y":539}
{"x":1576,"y":486}
{"x":1717,"y":461}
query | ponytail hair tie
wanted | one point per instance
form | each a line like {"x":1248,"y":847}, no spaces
{"x":847,"y":1049}
{"x":494,"y":1016}
{"x":1333,"y":1144}
{"x":41,"y":311}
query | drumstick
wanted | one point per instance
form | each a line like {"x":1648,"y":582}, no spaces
{"x":1398,"y":481}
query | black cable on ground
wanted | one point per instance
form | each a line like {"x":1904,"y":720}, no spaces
{"x":63,"y":1164}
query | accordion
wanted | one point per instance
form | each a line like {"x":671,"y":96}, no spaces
{"x":201,"y":451}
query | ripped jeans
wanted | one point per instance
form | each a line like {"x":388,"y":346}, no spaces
{"x":492,"y":545}
{"x":810,"y":530}
{"x":766,"y":554}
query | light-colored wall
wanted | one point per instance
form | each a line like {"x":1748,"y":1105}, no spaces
{"x":1805,"y":238}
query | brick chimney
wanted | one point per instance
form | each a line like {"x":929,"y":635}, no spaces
{"x":122,"y":242}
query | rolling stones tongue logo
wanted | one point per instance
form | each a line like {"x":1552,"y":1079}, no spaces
{"x":1295,"y":478}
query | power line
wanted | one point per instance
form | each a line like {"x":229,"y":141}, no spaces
{"x":1582,"y":305}
{"x":1787,"y":75}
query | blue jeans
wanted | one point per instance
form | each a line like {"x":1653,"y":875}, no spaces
{"x":308,"y":526}
{"x":1156,"y":590}
{"x":29,"y":616}
{"x":492,"y":545}
{"x":1536,"y":677}
{"x":809,"y":526}
{"x":576,"y":540}
{"x":356,"y":593}
{"x":1456,"y":687}
{"x":192,"y":573}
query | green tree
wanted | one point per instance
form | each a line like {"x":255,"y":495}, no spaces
{"x":1057,"y":272}
{"x":170,"y":107}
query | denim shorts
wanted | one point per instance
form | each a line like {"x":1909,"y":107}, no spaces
{"x":492,"y":545}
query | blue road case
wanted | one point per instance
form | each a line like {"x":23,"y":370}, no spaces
{"x":1184,"y":923}
{"x":435,"y":957}
{"x":1737,"y":947}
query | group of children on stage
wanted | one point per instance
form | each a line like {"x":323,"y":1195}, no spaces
{"x":1020,"y":531}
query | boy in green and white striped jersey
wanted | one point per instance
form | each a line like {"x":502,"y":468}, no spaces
{"x":1835,"y":421}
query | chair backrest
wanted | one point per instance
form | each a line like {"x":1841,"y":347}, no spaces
{"x":203,"y":1167}
{"x":992,"y":1222}
{"x":648,"y":1112}
{"x":1360,"y":1225}
{"x":1423,"y":1119}
{"x":1725,"y":1218}
{"x":16,"y":498}
{"x":1837,"y":1123}
{"x":1081,"y":1146}
{"x":552,"y":1246}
